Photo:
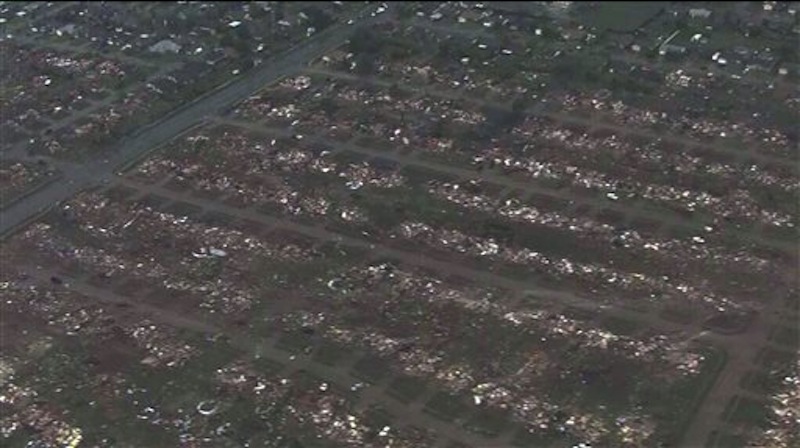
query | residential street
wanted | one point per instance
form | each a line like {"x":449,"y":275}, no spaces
{"x":78,"y":178}
{"x":668,"y":240}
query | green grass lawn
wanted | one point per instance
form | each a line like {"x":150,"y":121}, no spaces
{"x":331,"y":354}
{"x":674,"y":405}
{"x":293,"y":341}
{"x":371,"y":368}
{"x":677,"y":314}
{"x":786,"y":336}
{"x":407,"y":389}
{"x":761,"y":382}
{"x":447,"y":407}
{"x":749,"y":412}
{"x":525,"y":439}
{"x":489,"y":422}
{"x":621,"y":16}
{"x":774,"y":359}
{"x":725,"y":440}
{"x":621,"y":326}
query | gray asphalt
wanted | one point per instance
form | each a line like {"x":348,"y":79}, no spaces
{"x":81,"y":177}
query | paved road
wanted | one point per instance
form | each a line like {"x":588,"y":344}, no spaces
{"x":494,"y":178}
{"x":78,"y":178}
{"x":341,"y":375}
{"x":20,"y":151}
{"x":742,"y":358}
{"x":751,"y":156}
{"x":417,"y":259}
{"x":633,"y":208}
{"x":742,"y":348}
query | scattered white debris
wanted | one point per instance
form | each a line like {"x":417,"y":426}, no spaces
{"x":217,"y":252}
{"x":206,"y":408}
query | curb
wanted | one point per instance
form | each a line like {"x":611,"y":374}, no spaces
{"x":19,"y":197}
{"x":247,"y":77}
{"x":127,"y":166}
{"x":705,"y":391}
{"x":33,"y":218}
{"x":226,"y":84}
{"x":39,"y":214}
{"x":250,"y":74}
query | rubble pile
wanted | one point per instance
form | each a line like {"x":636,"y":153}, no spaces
{"x":765,"y":139}
{"x":527,"y":406}
{"x":22,"y":411}
{"x":594,"y":274}
{"x":321,"y":407}
{"x":450,"y":70}
{"x":255,"y":160}
{"x":15,"y":177}
{"x":676,"y":249}
{"x":559,"y":142}
{"x":420,"y":355}
{"x":161,"y":345}
{"x":404,"y":284}
{"x":61,"y":308}
{"x":51,"y":430}
{"x":114,"y":223}
{"x":657,"y":349}
{"x":738,"y":204}
{"x":37,"y":72}
{"x":391,"y":114}
{"x":784,"y":409}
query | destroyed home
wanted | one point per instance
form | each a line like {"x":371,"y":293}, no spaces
{"x":375,"y":224}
